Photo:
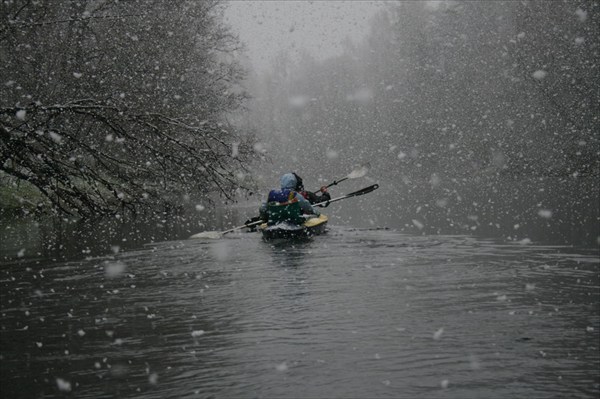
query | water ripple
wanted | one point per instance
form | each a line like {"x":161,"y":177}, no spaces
{"x":352,"y":314}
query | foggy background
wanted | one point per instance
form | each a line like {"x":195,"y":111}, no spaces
{"x":476,"y":117}
{"x":319,"y":28}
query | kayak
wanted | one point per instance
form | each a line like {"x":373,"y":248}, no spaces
{"x":309,"y":228}
{"x":284,"y":230}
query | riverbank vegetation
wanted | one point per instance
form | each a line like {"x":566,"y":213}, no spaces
{"x":109,"y":106}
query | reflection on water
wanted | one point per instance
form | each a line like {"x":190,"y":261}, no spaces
{"x":352,"y":314}
{"x":62,"y":239}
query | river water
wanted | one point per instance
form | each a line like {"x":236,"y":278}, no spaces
{"x":355,"y":313}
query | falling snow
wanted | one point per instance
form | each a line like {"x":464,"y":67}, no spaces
{"x":129,"y":127}
{"x":540,"y":74}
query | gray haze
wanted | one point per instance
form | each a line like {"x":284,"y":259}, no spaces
{"x":475,"y":116}
{"x":318,"y":27}
{"x":130,"y":129}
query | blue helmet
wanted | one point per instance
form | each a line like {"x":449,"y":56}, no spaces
{"x":288,"y":181}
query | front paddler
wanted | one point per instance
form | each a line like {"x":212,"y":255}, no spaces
{"x":286,"y":204}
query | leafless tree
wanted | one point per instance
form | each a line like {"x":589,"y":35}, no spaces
{"x":108,"y":105}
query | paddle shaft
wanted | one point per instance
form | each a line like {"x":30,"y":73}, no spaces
{"x":241,"y":227}
{"x":353,"y":175}
{"x":354,"y":194}
{"x":362,"y":191}
{"x":335,"y":182}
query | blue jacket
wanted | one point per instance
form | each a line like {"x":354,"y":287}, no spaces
{"x":288,"y":183}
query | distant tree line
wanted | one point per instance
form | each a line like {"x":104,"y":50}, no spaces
{"x":453,"y":100}
{"x":109,"y":105}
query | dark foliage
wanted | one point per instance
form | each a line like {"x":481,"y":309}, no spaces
{"x":108,"y":105}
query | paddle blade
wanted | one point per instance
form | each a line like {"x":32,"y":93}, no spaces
{"x":360,"y":171}
{"x":212,"y":235}
{"x":354,"y":194}
{"x":364,"y":190}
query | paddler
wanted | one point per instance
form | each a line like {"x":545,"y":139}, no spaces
{"x":287,"y":204}
{"x":313,"y":198}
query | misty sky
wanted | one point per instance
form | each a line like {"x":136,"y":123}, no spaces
{"x":266,"y":27}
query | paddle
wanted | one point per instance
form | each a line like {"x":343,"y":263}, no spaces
{"x":360,"y":171}
{"x":218,"y":234}
{"x":362,"y":191}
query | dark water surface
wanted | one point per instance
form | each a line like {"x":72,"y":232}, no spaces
{"x":351,"y":314}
